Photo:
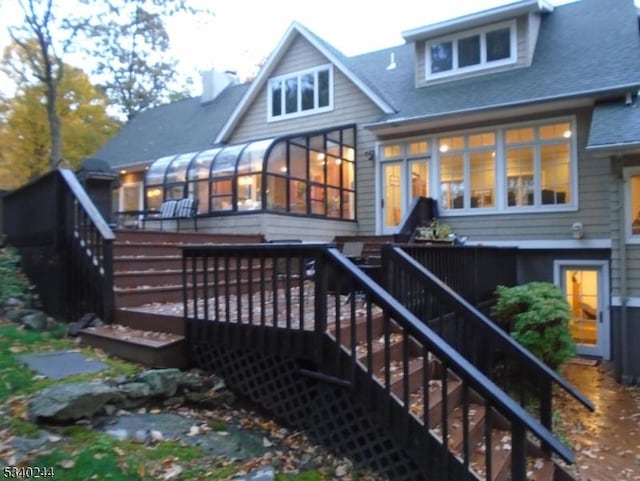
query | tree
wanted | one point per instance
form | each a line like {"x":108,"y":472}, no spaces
{"x":25,"y":140}
{"x":129,"y":40}
{"x":126,"y":36}
{"x":40,"y":52}
{"x":129,"y":59}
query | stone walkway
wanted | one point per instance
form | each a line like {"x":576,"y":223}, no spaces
{"x":606,"y":442}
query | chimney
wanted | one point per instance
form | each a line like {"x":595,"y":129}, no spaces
{"x":214,"y":82}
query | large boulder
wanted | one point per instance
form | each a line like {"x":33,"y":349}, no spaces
{"x":161,"y":382}
{"x":73,"y":401}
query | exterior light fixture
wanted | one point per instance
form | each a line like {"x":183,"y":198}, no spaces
{"x":370,"y":155}
{"x":577,"y":229}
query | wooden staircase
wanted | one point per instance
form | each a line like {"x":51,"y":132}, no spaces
{"x":540,"y":466}
{"x":148,"y":270}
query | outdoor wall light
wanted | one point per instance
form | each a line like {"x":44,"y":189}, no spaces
{"x":577,"y":230}
{"x":370,"y":155}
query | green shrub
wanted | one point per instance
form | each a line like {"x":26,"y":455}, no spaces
{"x":537,"y":315}
{"x":13,"y":283}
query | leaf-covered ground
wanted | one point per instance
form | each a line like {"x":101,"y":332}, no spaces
{"x":78,"y":452}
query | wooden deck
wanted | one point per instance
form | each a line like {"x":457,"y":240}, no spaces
{"x":606,"y":443}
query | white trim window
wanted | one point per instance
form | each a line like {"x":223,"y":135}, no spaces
{"x":468,"y":171}
{"x":473,"y":50}
{"x":539,"y":170}
{"x":300,"y":93}
{"x":528,"y":167}
{"x":632,"y":204}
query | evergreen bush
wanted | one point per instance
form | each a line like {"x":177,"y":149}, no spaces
{"x":537,"y":315}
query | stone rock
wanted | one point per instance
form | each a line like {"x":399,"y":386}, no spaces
{"x":210,"y":399}
{"x":161,"y":382}
{"x":14,"y":303}
{"x":196,"y":381}
{"x":135,"y":390}
{"x":16,"y":315}
{"x":73,"y":401}
{"x":88,"y":320}
{"x":262,"y":474}
{"x":35,"y":321}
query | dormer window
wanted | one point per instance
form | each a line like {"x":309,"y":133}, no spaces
{"x":488,"y":47}
{"x":300,"y":93}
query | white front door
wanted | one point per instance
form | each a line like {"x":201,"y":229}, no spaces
{"x":586,"y":287}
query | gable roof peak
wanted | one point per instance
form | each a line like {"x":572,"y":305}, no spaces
{"x":333,"y":55}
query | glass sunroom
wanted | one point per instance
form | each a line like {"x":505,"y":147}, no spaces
{"x":308,"y":175}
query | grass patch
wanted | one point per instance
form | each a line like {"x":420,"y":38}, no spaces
{"x":16,"y":378}
{"x":303,"y":476}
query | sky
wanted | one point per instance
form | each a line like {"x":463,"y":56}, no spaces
{"x":244,"y":32}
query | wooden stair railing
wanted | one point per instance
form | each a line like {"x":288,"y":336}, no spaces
{"x":450,"y":418}
{"x":65,"y":243}
{"x":473,"y":335}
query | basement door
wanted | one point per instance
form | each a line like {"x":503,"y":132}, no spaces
{"x":586,"y":286}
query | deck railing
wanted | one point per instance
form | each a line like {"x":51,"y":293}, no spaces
{"x":472,"y":334}
{"x":66,"y":245}
{"x":474,"y":272}
{"x":274,"y":288}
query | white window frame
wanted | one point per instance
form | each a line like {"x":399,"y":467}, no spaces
{"x":629,"y":172}
{"x":501,"y":201}
{"x":299,"y":113}
{"x":484,"y":64}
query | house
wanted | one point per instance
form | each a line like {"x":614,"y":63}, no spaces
{"x":521,"y":120}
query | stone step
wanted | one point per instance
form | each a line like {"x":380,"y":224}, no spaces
{"x":154,"y":349}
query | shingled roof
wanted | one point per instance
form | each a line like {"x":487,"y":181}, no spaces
{"x":179,"y":127}
{"x":588,"y":48}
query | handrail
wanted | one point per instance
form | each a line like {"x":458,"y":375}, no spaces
{"x":481,"y":383}
{"x":478,"y":317}
{"x":236,"y":284}
{"x":87,"y":204}
{"x":422,"y":209}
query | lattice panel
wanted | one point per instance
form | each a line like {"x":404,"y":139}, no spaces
{"x":327,"y":412}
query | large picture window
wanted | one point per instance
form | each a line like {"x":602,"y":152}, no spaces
{"x":467,"y":171}
{"x":484,"y":48}
{"x":511,"y":168}
{"x":301,"y":93}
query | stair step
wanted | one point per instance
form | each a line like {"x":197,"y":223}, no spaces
{"x":155,"y":349}
{"x":455,"y":427}
{"x":122,"y":249}
{"x":147,"y":321}
{"x":454,"y":397}
{"x":144,"y":263}
{"x":541,"y":469}
{"x":500,"y":456}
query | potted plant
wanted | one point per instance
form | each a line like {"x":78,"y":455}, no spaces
{"x":435,"y":233}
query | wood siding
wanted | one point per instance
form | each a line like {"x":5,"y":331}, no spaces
{"x":524,"y":46}
{"x":351,"y":106}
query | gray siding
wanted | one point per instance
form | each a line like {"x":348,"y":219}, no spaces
{"x":629,"y":337}
{"x":525,"y":52}
{"x":350,"y":106}
{"x":631,"y":261}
